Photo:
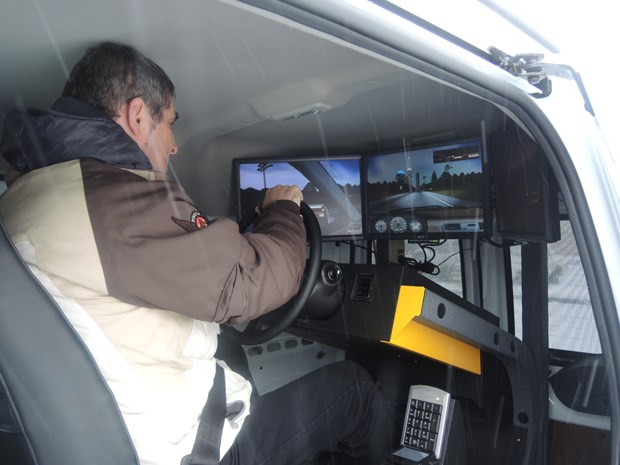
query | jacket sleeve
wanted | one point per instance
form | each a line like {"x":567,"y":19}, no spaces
{"x":157,"y":250}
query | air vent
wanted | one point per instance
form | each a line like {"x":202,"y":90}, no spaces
{"x":362,"y":289}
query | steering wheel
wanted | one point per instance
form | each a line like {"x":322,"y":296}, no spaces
{"x":268,"y":326}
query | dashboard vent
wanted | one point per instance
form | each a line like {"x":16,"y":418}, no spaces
{"x":363,"y":287}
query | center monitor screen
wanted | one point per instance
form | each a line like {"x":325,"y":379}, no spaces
{"x":330,"y":186}
{"x":429,"y":193}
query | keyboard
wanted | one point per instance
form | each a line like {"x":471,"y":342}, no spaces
{"x":426,"y":424}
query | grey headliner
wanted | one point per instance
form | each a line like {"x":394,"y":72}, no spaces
{"x":234,"y":69}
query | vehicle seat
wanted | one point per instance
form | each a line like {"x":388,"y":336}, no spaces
{"x":58,"y":402}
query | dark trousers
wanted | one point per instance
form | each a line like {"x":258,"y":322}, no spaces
{"x":334,"y":408}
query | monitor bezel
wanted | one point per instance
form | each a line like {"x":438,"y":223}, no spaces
{"x":484,"y":218}
{"x":296,"y":158}
{"x":546,"y":213}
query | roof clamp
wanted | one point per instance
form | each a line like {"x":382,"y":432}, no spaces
{"x":524,"y":65}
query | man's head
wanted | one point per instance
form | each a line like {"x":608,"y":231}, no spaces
{"x":133,"y":91}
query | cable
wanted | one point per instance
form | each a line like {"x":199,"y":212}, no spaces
{"x":447,"y":258}
{"x":425,"y":266}
{"x":496,"y":244}
{"x":370,"y":250}
{"x":353,"y":244}
{"x":421,"y":267}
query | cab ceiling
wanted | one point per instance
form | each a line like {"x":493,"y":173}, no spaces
{"x":234,"y":71}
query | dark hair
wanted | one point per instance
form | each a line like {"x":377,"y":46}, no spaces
{"x":109,"y":75}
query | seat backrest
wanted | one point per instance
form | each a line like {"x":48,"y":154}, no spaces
{"x":58,"y":399}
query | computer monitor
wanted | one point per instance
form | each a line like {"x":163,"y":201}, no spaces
{"x":526,"y":193}
{"x":435,"y":192}
{"x":331,"y":186}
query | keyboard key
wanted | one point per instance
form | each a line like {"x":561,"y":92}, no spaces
{"x":432,"y":440}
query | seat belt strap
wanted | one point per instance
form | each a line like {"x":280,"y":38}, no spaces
{"x":206,"y":450}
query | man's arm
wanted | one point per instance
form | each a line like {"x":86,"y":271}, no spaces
{"x":156,"y":252}
{"x":269,"y":289}
{"x":267,"y":273}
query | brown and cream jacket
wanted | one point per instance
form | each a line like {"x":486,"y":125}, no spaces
{"x":143,"y":276}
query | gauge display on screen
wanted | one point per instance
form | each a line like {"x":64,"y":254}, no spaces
{"x":398,"y":225}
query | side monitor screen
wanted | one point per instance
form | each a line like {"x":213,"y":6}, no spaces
{"x":330,"y":186}
{"x":428,"y":193}
{"x":526,"y":193}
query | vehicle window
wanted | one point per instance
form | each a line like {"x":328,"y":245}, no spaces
{"x":345,"y":251}
{"x":446,"y":258}
{"x":571,"y":321}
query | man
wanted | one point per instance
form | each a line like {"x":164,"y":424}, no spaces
{"x":146,"y":279}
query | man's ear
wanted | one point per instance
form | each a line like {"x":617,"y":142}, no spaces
{"x":138,"y":118}
{"x":135,"y":119}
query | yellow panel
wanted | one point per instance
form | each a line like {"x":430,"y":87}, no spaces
{"x":427,"y":341}
{"x":439,"y":346}
{"x":410,"y":299}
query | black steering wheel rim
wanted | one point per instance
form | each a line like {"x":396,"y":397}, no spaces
{"x":256,"y":332}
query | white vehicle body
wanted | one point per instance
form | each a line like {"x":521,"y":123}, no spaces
{"x":326,"y":78}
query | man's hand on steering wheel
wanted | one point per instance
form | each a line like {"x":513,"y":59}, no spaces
{"x":279,"y":192}
{"x":257,"y":331}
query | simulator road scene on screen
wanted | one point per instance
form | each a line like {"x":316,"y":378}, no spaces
{"x":431,"y":190}
{"x":330,"y":187}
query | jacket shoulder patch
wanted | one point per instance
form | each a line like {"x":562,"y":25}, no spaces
{"x":196,"y":221}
